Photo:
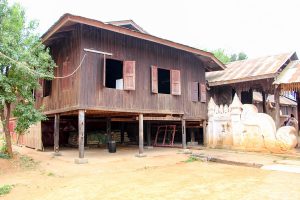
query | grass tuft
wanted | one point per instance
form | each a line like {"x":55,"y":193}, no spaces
{"x":5,"y":189}
{"x":191,"y":159}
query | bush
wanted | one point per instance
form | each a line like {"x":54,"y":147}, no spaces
{"x":5,"y":189}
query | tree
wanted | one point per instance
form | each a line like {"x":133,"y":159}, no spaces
{"x":23,"y":61}
{"x":242,"y":56}
{"x":221,"y":55}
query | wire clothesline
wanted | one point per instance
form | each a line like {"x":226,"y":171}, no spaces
{"x":25,"y":65}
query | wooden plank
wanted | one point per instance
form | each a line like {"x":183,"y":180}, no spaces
{"x":148,"y":133}
{"x":175,"y":82}
{"x":154,"y":79}
{"x":203,"y":93}
{"x":277,"y":106}
{"x":195,"y":91}
{"x":129,"y":75}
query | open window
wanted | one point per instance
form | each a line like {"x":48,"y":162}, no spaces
{"x":165,"y":81}
{"x":47,"y":87}
{"x":119,"y":74}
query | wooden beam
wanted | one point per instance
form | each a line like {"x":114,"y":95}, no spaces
{"x":264,"y":101}
{"x":204,"y":133}
{"x":183,"y":133}
{"x":122,"y":132}
{"x":168,"y":118}
{"x":81,"y":125}
{"x":108,"y":128}
{"x":148,"y":133}
{"x":277,"y":106}
{"x":56,"y":133}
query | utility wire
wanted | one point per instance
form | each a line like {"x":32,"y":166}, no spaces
{"x":25,"y":65}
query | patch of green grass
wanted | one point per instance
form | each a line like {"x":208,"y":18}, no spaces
{"x":191,"y":159}
{"x":4,"y":156}
{"x":51,"y":174}
{"x":5,"y":189}
{"x":27,"y":162}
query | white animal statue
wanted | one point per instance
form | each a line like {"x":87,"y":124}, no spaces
{"x":241,"y":126}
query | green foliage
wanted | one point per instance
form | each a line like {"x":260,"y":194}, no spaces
{"x":225,"y":58}
{"x":191,"y":159}
{"x":242,"y":56}
{"x":5,"y":189}
{"x":221,"y":55}
{"x":27,"y":162}
{"x":23,"y":61}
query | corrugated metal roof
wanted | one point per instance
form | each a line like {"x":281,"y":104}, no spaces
{"x":289,"y":78}
{"x":212,"y":63}
{"x":247,"y":70}
{"x":283,"y":100}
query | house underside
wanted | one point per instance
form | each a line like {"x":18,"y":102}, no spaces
{"x":98,"y":127}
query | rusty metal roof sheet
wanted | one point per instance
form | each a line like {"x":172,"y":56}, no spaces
{"x":248,"y":70}
{"x":68,"y":19}
{"x":283,"y":100}
{"x":289,"y":78}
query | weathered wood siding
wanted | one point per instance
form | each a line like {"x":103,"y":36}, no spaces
{"x":65,"y":92}
{"x":93,"y":95}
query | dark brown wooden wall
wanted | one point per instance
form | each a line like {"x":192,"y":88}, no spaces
{"x":94,"y":96}
{"x":65,"y":92}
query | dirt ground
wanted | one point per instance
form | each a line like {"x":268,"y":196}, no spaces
{"x":160,"y":175}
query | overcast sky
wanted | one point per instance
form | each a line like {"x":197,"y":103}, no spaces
{"x":257,"y":27}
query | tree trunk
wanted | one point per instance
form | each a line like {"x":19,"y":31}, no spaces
{"x":5,"y":122}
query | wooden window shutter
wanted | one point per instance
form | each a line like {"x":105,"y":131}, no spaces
{"x":175,"y":82}
{"x":203,"y":92}
{"x":154,"y":79}
{"x":195,"y":91}
{"x":129,"y":75}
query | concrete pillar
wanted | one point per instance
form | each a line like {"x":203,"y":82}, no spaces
{"x":277,"y":106}
{"x":141,"y":136}
{"x":56,"y":135}
{"x":81,"y":128}
{"x":183,"y":133}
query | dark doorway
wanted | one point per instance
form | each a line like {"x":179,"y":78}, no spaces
{"x":247,"y":97}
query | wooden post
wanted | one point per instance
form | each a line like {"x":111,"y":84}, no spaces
{"x":204,"y":133}
{"x":56,"y":134}
{"x":277,"y":106}
{"x":298,"y":107}
{"x":192,"y":135}
{"x":141,"y":136}
{"x":108,"y":129}
{"x":148,"y":134}
{"x":183,"y":134}
{"x":122,"y":132}
{"x":81,"y":126}
{"x":264,"y":101}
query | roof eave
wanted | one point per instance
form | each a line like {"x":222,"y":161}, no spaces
{"x":91,"y":22}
